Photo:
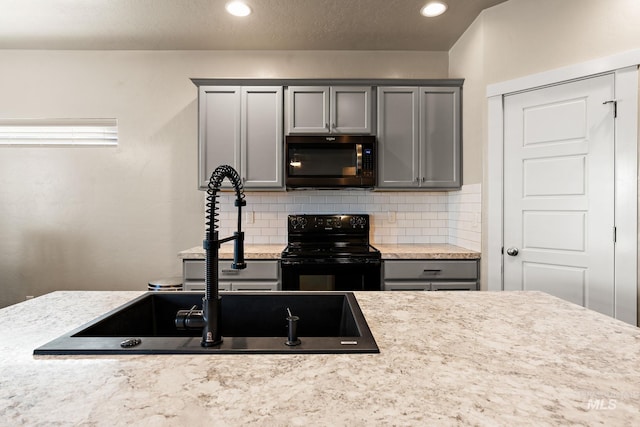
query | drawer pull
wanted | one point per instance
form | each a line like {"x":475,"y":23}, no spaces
{"x":432,"y":270}
{"x":230,"y":271}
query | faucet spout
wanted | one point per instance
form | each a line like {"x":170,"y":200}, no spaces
{"x":211,"y":334}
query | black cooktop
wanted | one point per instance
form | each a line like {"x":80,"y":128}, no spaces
{"x":329,"y":236}
{"x":330,"y":251}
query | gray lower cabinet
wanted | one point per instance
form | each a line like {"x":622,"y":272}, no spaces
{"x":241,"y":126}
{"x":431,"y":275}
{"x":419,"y":138}
{"x":260,"y":275}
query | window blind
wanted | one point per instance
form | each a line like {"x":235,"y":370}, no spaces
{"x":59,"y":132}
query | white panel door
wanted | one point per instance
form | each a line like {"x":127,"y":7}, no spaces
{"x":559,"y":192}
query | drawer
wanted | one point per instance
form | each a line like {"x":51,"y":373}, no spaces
{"x":261,"y":270}
{"x":431,"y":270}
{"x":193,"y":270}
{"x":253,"y":286}
{"x":237,"y":286}
{"x":454,"y":286}
{"x":407,"y":286}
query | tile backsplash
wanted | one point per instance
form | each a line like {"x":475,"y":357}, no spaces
{"x":397,"y":217}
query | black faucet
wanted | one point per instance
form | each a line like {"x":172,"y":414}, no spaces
{"x":209,"y":317}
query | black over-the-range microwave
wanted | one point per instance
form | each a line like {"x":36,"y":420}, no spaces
{"x":330,"y":161}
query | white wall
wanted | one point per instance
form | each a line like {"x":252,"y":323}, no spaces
{"x":522,"y":37}
{"x":114,"y":218}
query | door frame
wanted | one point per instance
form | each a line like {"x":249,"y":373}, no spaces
{"x":624,"y":66}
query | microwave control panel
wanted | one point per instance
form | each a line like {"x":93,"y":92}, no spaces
{"x":368,"y":161}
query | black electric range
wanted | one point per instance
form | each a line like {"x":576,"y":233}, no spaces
{"x":330,"y":252}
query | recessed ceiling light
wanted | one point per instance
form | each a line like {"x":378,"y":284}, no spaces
{"x":434,"y":8}
{"x":238,"y":8}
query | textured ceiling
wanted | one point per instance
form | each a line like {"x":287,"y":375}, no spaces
{"x":204,"y":25}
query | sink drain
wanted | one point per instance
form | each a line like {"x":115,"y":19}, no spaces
{"x":130,"y":342}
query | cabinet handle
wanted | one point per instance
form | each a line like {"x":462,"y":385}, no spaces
{"x":432,"y":270}
{"x":424,"y":179}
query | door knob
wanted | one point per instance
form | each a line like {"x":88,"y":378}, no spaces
{"x":512,"y":251}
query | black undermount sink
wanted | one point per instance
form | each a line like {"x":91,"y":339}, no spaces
{"x":329,"y":322}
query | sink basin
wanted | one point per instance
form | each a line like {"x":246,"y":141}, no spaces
{"x":329,"y":322}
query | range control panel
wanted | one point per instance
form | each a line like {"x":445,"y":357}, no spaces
{"x":328,"y":223}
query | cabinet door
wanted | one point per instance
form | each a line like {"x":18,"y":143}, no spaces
{"x":261,"y":137}
{"x":195,"y":287}
{"x":440,"y":137}
{"x":398,"y":137}
{"x":308,"y":109}
{"x":254,"y":286}
{"x":350,"y":110}
{"x":218,"y":130}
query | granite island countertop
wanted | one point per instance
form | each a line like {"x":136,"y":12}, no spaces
{"x":400,"y":251}
{"x":446,"y":358}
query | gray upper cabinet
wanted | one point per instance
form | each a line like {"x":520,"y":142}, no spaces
{"x":261,"y":142}
{"x":419,"y":136}
{"x":308,"y":109}
{"x":398,"y":137}
{"x":218,"y":130}
{"x":329,"y":109}
{"x":241,"y":126}
{"x":440,"y":137}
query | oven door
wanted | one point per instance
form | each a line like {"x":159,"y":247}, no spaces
{"x":313,"y":276}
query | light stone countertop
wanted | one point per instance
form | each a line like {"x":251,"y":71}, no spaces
{"x":446,"y":358}
{"x":426,"y":251}
{"x":251,"y":251}
{"x":405,"y":251}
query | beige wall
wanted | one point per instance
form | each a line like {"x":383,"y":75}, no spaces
{"x":469,"y":64}
{"x":524,"y":37}
{"x":114,"y":218}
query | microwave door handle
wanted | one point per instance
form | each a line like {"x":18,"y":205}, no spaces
{"x":358,"y":159}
